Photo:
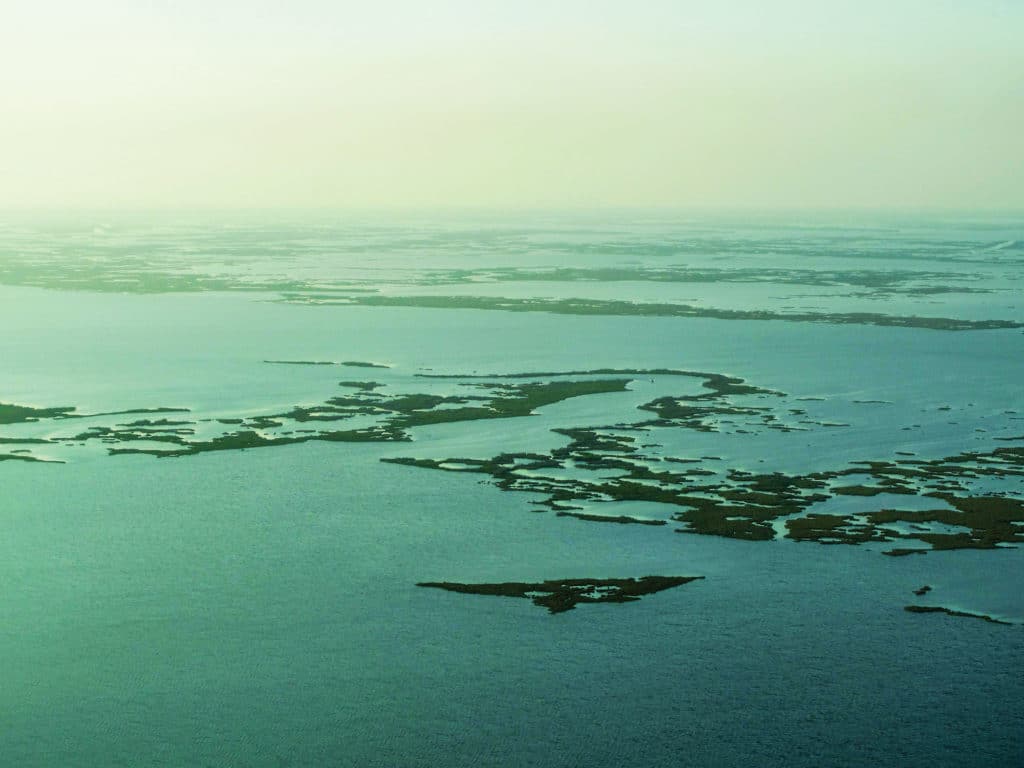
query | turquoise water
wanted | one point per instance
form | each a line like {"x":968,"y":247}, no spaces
{"x":259,"y":607}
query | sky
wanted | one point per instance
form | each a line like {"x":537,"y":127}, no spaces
{"x":512,"y":104}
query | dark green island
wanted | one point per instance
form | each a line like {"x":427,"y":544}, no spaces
{"x":563,"y":595}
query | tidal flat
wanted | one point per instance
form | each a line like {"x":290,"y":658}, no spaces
{"x":222,"y":486}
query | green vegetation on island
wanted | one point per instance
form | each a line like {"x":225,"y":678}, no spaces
{"x":951,"y":612}
{"x":563,"y":595}
{"x":652,"y":309}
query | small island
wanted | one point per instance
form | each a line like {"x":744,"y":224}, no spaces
{"x":562,"y":595}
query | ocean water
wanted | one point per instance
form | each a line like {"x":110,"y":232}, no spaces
{"x":259,"y":607}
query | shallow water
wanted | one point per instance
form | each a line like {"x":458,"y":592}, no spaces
{"x":258,"y":607}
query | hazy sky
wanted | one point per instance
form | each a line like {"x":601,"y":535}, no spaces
{"x":518,"y":103}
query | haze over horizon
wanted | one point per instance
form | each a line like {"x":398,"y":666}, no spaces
{"x":909,"y":104}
